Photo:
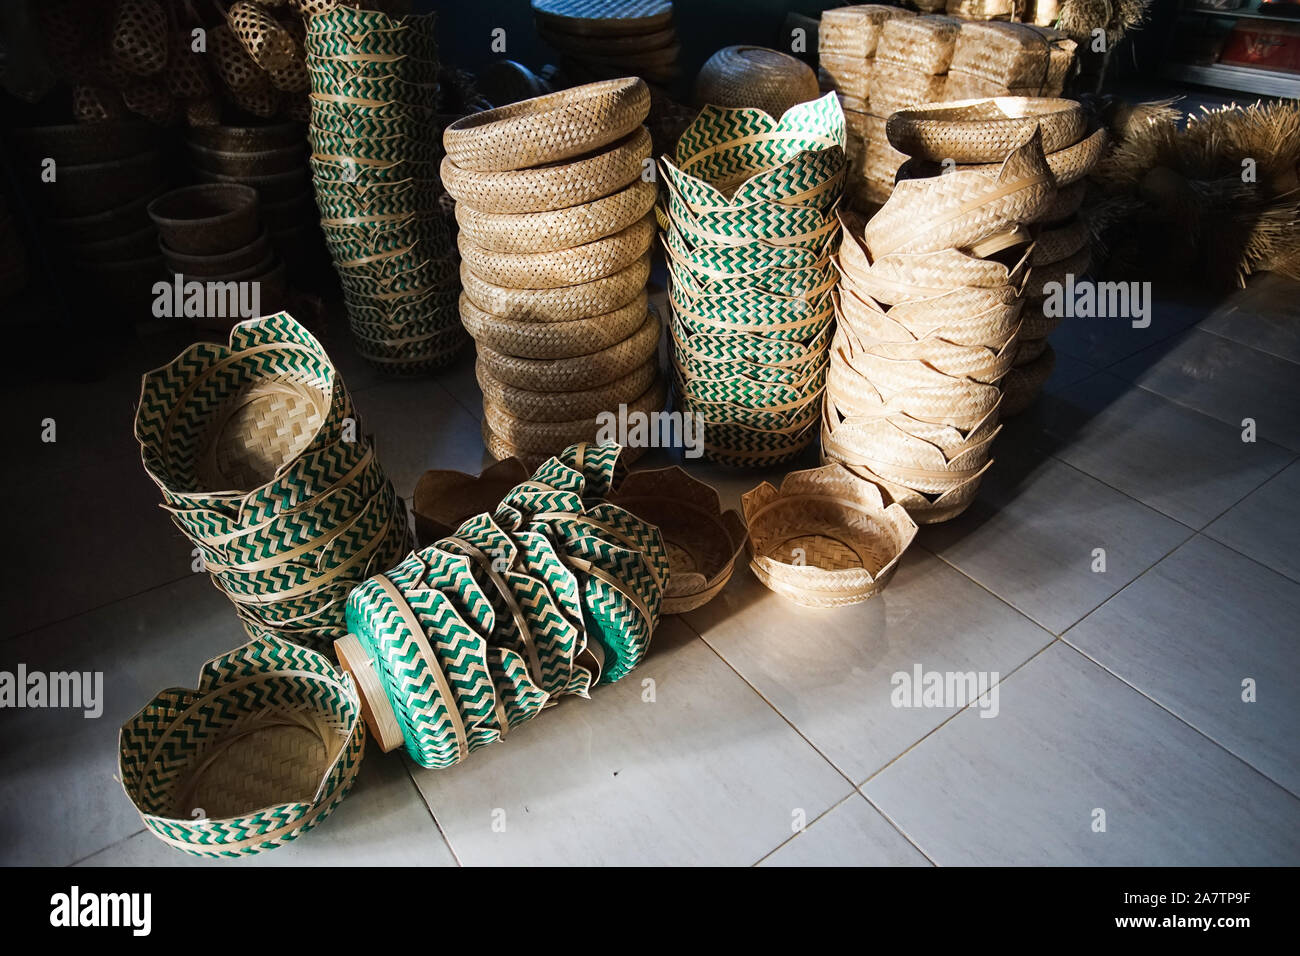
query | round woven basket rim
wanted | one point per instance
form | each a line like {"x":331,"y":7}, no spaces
{"x":939,"y":132}
{"x":564,"y":267}
{"x":553,"y":340}
{"x":557,"y":229}
{"x":574,"y":374}
{"x":561,"y":406}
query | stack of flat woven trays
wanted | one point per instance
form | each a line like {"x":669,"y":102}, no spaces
{"x":553,"y":592}
{"x":962,"y":133}
{"x":601,"y":39}
{"x":258,"y":453}
{"x":749,"y":227}
{"x":375,"y":166}
{"x":930,"y":305}
{"x":555,"y":234}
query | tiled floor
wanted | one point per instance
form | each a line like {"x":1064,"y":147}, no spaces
{"x":1128,"y":579}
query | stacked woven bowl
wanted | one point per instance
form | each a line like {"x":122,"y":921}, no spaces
{"x":602,"y":39}
{"x":552,"y":593}
{"x":972,"y":135}
{"x":749,"y":227}
{"x":555,"y":234}
{"x":257,"y":451}
{"x":930,"y":308}
{"x":739,"y":76}
{"x":375,"y":166}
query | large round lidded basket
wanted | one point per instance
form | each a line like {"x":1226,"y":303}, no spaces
{"x":261,"y":752}
{"x":826,"y":538}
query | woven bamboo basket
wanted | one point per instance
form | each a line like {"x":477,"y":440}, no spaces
{"x":896,"y":87}
{"x":535,"y":406}
{"x":548,"y":129}
{"x":443,"y":500}
{"x":963,"y":207}
{"x":738,"y":76}
{"x":918,"y":44}
{"x":552,"y":340}
{"x":987,"y":130}
{"x":603,"y":18}
{"x":138,"y":41}
{"x":1071,"y":164}
{"x":549,"y":437}
{"x":826,"y":538}
{"x":991,"y":328}
{"x":1015,"y":55}
{"x":551,"y":231}
{"x":855,"y":30}
{"x":580,"y":46}
{"x":981,"y":9}
{"x":703,"y":541}
{"x":923,"y":509}
{"x":1057,"y":272}
{"x":580,"y":372}
{"x":1023,"y":385}
{"x":263,"y":37}
{"x":563,"y":304}
{"x":261,"y":752}
{"x":848,"y":76}
{"x":551,"y":187}
{"x":1029,"y":350}
{"x":959,"y":403}
{"x":563,"y":267}
{"x":1068,"y":201}
{"x":1060,"y":242}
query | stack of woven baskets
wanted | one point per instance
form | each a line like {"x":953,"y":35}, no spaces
{"x":738,"y":76}
{"x":603,"y":39}
{"x":258,"y":454}
{"x":1062,"y":240}
{"x":555,"y":235}
{"x":375,"y":165}
{"x":749,"y":228}
{"x":882,"y":59}
{"x":552,"y":593}
{"x":930,"y":305}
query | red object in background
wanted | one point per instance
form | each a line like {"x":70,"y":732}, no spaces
{"x":1266,"y":46}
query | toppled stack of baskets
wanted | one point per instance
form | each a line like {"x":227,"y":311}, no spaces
{"x":1062,"y":251}
{"x":375,"y":164}
{"x":739,"y":76}
{"x":552,"y":593}
{"x":273,"y":160}
{"x":930,"y":305}
{"x":882,"y":59}
{"x":213,"y":234}
{"x":259,"y":456}
{"x":603,"y":39}
{"x":749,"y":227}
{"x":92,"y":184}
{"x":555,"y":235}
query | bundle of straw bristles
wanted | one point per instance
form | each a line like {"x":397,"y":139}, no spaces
{"x":882,"y":59}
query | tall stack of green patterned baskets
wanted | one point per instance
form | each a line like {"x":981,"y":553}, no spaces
{"x":749,"y":227}
{"x":259,"y":456}
{"x":375,"y":156}
{"x":555,"y":591}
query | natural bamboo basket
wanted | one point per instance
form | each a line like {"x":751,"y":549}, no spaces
{"x":535,"y":406}
{"x":963,"y":207}
{"x":959,"y":403}
{"x":991,"y":328}
{"x":702,"y":540}
{"x":1060,"y":242}
{"x":1014,"y":54}
{"x":755,"y":76}
{"x":849,"y":76}
{"x":557,"y":229}
{"x":550,"y":436}
{"x":563,"y":304}
{"x":1068,"y":201}
{"x":896,"y":87}
{"x":985,"y":130}
{"x":604,"y":18}
{"x":564,"y":267}
{"x":919,"y":44}
{"x":923,"y":509}
{"x":261,"y":752}
{"x":548,"y":129}
{"x":550,"y":187}
{"x":1057,"y":272}
{"x":1023,"y":385}
{"x":581,"y":46}
{"x":233,"y":65}
{"x":826,"y":538}
{"x":1071,"y":164}
{"x":139,"y":37}
{"x":981,"y":9}
{"x":855,"y":30}
{"x":1028,"y":350}
{"x":552,"y":340}
{"x":268,"y":43}
{"x":443,"y":500}
{"x":578,"y":373}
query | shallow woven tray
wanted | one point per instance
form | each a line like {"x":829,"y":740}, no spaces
{"x":562,"y":304}
{"x":563,"y":267}
{"x":826,"y":538}
{"x":550,"y":128}
{"x":702,"y":540}
{"x":552,"y":340}
{"x":985,"y":130}
{"x":261,"y":752}
{"x":755,"y":76}
{"x":604,"y":18}
{"x":578,"y":373}
{"x":560,"y":228}
{"x":551,"y":187}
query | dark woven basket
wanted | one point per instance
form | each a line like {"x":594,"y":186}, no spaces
{"x":248,"y":139}
{"x":79,"y":144}
{"x":206,"y":220}
{"x":243,"y":163}
{"x":225,"y":264}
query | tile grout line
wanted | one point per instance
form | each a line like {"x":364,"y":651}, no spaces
{"x":130,"y":836}
{"x":811,"y":823}
{"x":98,"y":607}
{"x":410,"y":776}
{"x":1247,"y":345}
{"x":897,"y":826}
{"x":1178,"y":717}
